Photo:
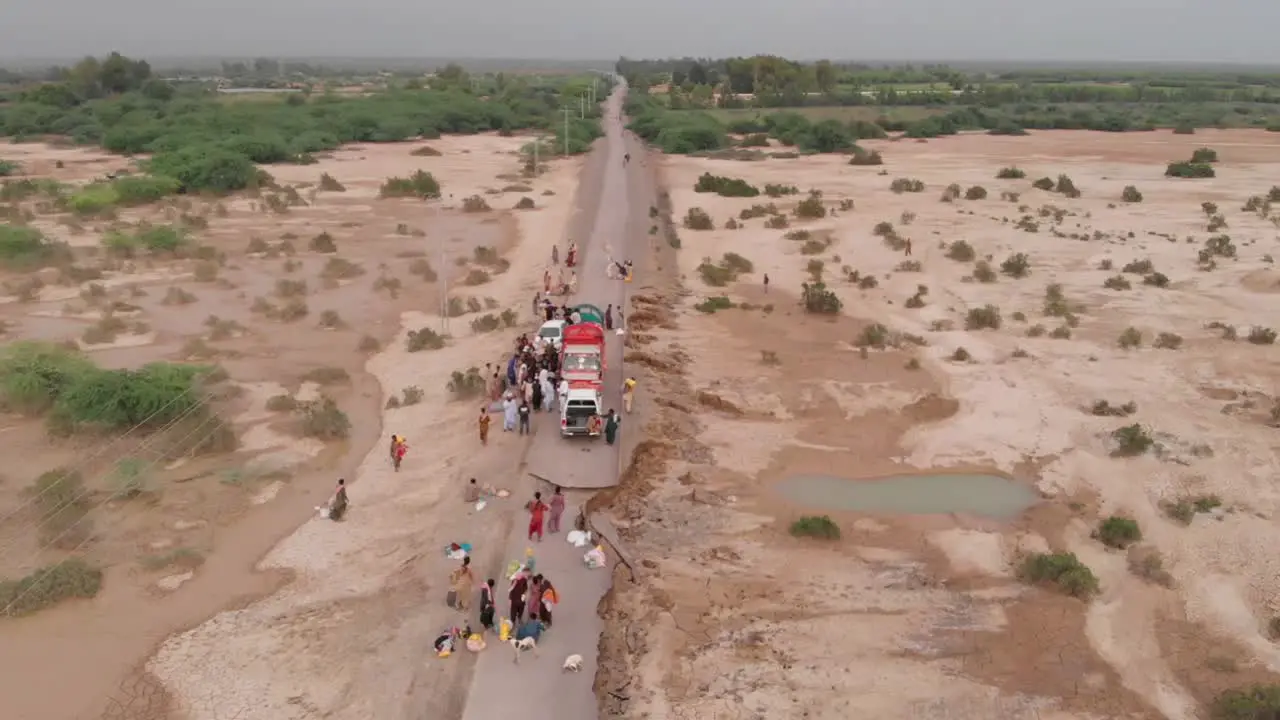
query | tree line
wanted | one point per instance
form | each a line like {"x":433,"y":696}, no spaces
{"x":207,"y":143}
{"x":774,"y":81}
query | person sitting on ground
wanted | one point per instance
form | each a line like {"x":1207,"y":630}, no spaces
{"x":472,"y":493}
{"x":594,"y":425}
{"x":531,"y":629}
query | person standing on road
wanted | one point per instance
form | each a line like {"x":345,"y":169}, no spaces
{"x":483,"y":424}
{"x":549,"y":599}
{"x":548,"y":391}
{"x":486,"y":605}
{"x":555,"y":254}
{"x":515,"y":597}
{"x":628,"y":393}
{"x":537,"y":509}
{"x":562,"y":392}
{"x":546,"y":281}
{"x":608,"y":317}
{"x":398,"y":452}
{"x":338,"y":503}
{"x":463,"y":583}
{"x":533,"y":597}
{"x":766,"y":283}
{"x":908,"y":248}
{"x":508,"y":414}
{"x":557,"y":509}
{"x":611,"y":427}
{"x":523,"y":411}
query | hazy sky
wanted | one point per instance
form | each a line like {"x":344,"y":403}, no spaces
{"x":1242,"y":31}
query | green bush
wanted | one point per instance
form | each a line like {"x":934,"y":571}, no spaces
{"x":1118,"y":532}
{"x":1131,"y":440}
{"x":725,"y":186}
{"x":8,"y":168}
{"x":424,"y":339}
{"x":1204,"y":155}
{"x":322,"y":418}
{"x":205,"y":168}
{"x":815,"y":526}
{"x":1016,"y":265}
{"x":1063,"y":571}
{"x":24,"y":248}
{"x":421,"y":184}
{"x":1011,"y":173}
{"x":50,"y":585}
{"x":1130,"y":194}
{"x":1189,"y":170}
{"x":986,"y":317}
{"x":961,"y":251}
{"x":38,"y":377}
{"x":1257,"y":702}
{"x":1043,"y":183}
{"x":817,"y":299}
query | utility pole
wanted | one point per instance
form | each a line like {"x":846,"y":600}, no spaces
{"x":444,"y":292}
{"x":565,"y":148}
{"x":582,"y":106}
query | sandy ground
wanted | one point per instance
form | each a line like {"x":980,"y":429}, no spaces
{"x":227,"y":511}
{"x":918,"y":616}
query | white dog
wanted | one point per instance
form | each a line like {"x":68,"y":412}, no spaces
{"x":528,"y":644}
{"x":573,"y":663}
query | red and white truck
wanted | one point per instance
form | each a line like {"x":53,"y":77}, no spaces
{"x":582,"y":367}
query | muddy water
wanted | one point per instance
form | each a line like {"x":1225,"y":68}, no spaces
{"x":983,"y":495}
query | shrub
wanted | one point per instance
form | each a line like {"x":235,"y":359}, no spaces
{"x":961,"y":251}
{"x":1189,"y":170}
{"x":1131,"y":440}
{"x":817,"y":299}
{"x":874,"y":335}
{"x":1204,"y":155}
{"x":1102,"y":408}
{"x":331,"y":320}
{"x":1156,"y":279}
{"x":1130,"y":338}
{"x":865,"y":158}
{"x":1130,"y":194}
{"x":367,"y":343}
{"x":423,"y":339}
{"x":340,"y":269}
{"x":1117,"y":282}
{"x":326,"y":376}
{"x":821,"y":527}
{"x":905,"y":185}
{"x":1066,"y":187}
{"x":811,"y":207}
{"x":1256,"y":702}
{"x":1016,"y":265}
{"x":1167,"y":341}
{"x":466,"y":384}
{"x":714,"y":303}
{"x":282,"y":403}
{"x":724,"y":186}
{"x":1139,"y":267}
{"x":986,"y":317}
{"x":909,"y":266}
{"x":1043,"y":183}
{"x":47,"y":586}
{"x":1062,"y":332}
{"x":329,"y":183}
{"x":1064,"y":571}
{"x":1118,"y":532}
{"x":485,"y":323}
{"x":977,"y":192}
{"x":177,"y":296}
{"x":475,"y":204}
{"x":422,"y":268}
{"x":323,"y":419}
{"x":525,"y":203}
{"x":286,"y":288}
{"x":698,"y":219}
{"x":475,"y":276}
{"x":758,"y":211}
{"x":411,"y":395}
{"x":1010,"y":173}
{"x":206,"y":167}
{"x":295,"y":309}
{"x":420,"y":184}
{"x":24,"y":248}
{"x":8,"y":168}
{"x":983,"y":273}
{"x":1262,"y":335}
{"x":961,"y":355}
{"x":323,"y":243}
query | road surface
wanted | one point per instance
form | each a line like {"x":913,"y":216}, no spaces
{"x":538,"y":688}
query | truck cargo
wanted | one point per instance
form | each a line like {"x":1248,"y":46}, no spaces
{"x":582,"y":352}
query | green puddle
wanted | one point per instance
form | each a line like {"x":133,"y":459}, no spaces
{"x":988,"y":496}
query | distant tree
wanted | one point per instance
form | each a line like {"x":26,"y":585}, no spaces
{"x":824,"y":75}
{"x":698,"y":74}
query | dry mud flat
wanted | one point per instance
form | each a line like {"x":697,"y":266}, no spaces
{"x":302,"y":291}
{"x":912,"y":615}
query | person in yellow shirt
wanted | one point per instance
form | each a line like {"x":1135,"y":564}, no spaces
{"x":628,"y":392}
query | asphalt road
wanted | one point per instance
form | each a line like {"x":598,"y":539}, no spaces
{"x":538,"y":687}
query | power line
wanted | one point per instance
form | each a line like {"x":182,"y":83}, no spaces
{"x":69,"y":502}
{"x":47,"y":571}
{"x":86,"y":461}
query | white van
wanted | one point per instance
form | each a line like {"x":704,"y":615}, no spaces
{"x":552,"y":331}
{"x":582,"y":403}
